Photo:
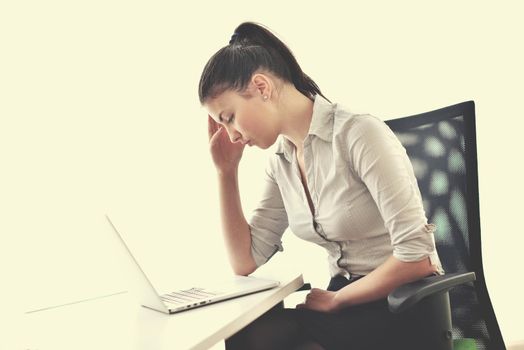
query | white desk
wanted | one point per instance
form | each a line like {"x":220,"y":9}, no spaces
{"x":118,"y":322}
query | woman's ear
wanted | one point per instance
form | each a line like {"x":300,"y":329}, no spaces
{"x":262,"y":84}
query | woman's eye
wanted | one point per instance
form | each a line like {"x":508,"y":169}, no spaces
{"x":231,"y":119}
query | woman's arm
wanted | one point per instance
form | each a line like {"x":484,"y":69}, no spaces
{"x":237,"y":236}
{"x":382,"y":281}
{"x":252,"y":244}
{"x":374,"y":286}
{"x":235,"y":228}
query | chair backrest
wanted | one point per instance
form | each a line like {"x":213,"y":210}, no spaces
{"x":441,"y":145}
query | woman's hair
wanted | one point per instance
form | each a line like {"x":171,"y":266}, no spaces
{"x":252,"y":47}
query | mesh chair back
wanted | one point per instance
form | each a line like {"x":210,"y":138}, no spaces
{"x":441,"y":145}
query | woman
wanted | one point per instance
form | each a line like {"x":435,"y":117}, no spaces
{"x":338,"y":179}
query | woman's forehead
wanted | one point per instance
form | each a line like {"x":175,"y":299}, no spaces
{"x":220,"y":104}
{"x":217,"y":102}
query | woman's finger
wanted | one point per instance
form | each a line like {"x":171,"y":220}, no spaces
{"x":215,"y":136}
{"x":212,"y":126}
{"x":312,"y":294}
{"x":209,"y":128}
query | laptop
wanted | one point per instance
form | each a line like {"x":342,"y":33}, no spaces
{"x":184,"y":299}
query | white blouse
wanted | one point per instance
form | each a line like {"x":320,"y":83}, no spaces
{"x":367,"y":204}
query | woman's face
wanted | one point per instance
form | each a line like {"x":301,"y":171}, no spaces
{"x":252,"y":120}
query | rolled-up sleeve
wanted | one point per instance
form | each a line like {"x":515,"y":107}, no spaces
{"x":268,"y":221}
{"x":381,"y":162}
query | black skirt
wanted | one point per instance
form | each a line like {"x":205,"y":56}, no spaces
{"x":369,"y":326}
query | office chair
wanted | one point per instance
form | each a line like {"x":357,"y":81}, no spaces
{"x":441,"y":145}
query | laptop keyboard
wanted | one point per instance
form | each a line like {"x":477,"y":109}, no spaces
{"x":187,"y":296}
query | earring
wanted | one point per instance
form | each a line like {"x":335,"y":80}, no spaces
{"x":265,"y":97}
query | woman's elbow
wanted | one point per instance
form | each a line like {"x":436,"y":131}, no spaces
{"x":415,"y":270}
{"x":245,"y":267}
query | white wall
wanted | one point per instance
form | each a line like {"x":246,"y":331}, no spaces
{"x":99,"y":113}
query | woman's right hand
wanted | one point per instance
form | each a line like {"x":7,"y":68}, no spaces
{"x":226,"y":154}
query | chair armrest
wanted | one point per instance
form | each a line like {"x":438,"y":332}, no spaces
{"x":409,"y":294}
{"x":305,"y":286}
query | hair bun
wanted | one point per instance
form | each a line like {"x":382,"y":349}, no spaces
{"x":234,"y":38}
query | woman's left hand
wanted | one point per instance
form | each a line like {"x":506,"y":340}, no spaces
{"x":320,"y":300}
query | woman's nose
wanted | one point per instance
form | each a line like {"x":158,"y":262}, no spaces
{"x":234,"y":135}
